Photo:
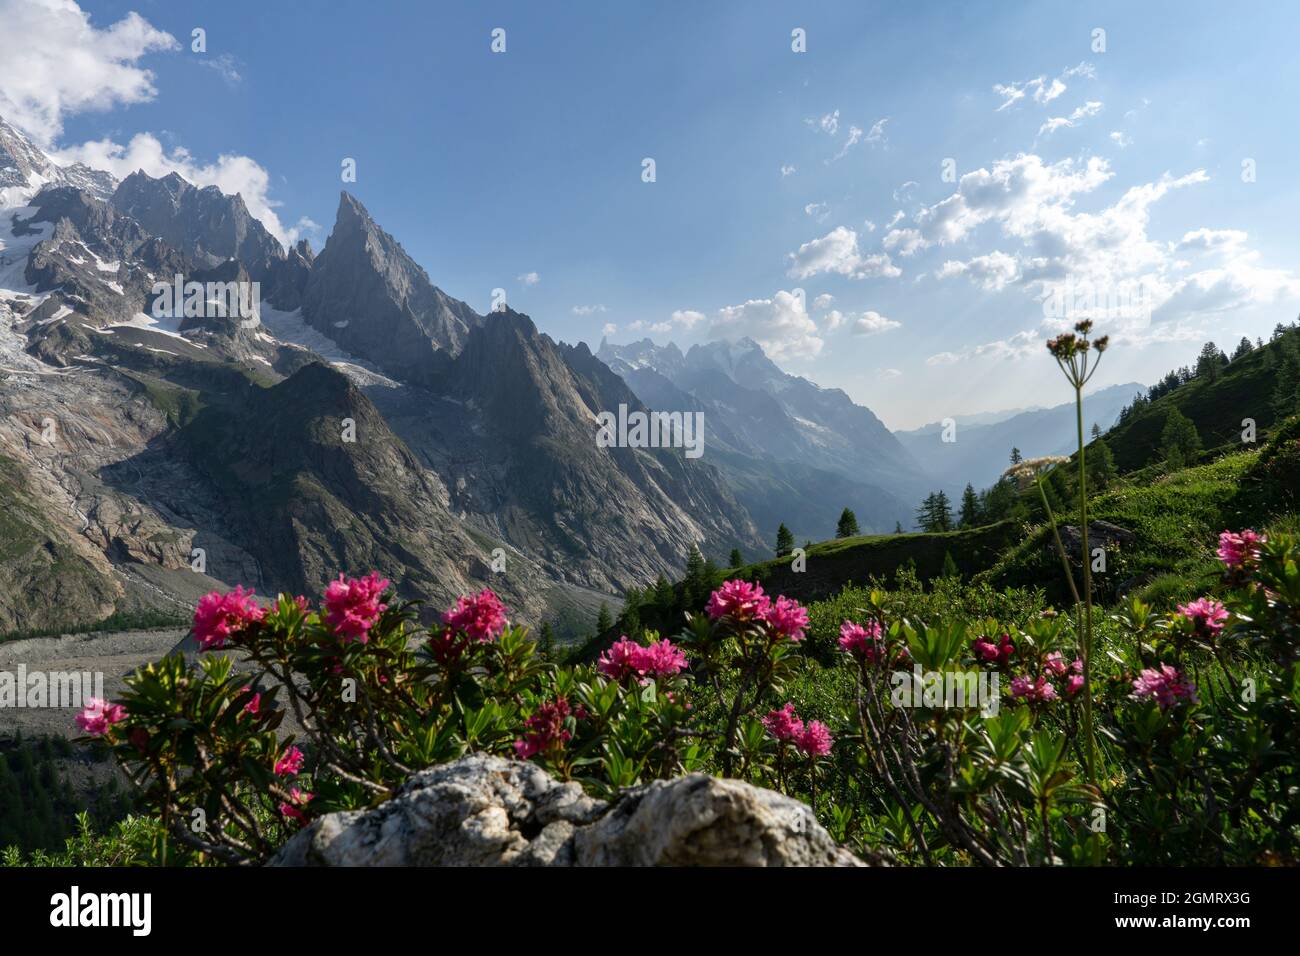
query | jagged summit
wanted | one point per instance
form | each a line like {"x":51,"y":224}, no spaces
{"x":25,"y":169}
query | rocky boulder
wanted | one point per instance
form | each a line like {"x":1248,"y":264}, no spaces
{"x":486,"y":811}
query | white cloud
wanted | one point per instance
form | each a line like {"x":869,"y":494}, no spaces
{"x":828,"y":124}
{"x":230,"y":173}
{"x":687,"y":318}
{"x":1021,"y":345}
{"x":868,"y":225}
{"x":872,"y":323}
{"x":823,"y":301}
{"x":905,"y":192}
{"x":54,"y":62}
{"x":877,"y":134}
{"x":993,"y":272}
{"x":588,"y":309}
{"x":817,"y":210}
{"x":225,"y":66}
{"x":1212,"y":240}
{"x":1042,"y":89}
{"x":895,"y":219}
{"x":838,"y":252}
{"x":609,"y":328}
{"x":787,"y":170}
{"x":905,"y":242}
{"x":1121,"y":139}
{"x":833,"y":319}
{"x":529,"y":278}
{"x":1091,"y":108}
{"x":779,"y":325}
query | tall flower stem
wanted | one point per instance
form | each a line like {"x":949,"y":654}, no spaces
{"x":1086,"y":559}
{"x":1060,"y":548}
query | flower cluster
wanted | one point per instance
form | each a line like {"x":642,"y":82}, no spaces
{"x":1239,"y":549}
{"x":787,"y":618}
{"x":863,"y":641}
{"x":812,"y":739}
{"x":352,"y":606}
{"x":738,"y":600}
{"x":1033,"y":690}
{"x":219,"y":617}
{"x":994,"y":653}
{"x":626,"y":658}
{"x":290,"y":763}
{"x":482,"y":616}
{"x":1166,"y":685}
{"x":545,"y":729}
{"x":1205,"y":614}
{"x":99,"y":715}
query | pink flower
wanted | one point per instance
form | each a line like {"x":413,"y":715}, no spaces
{"x":290,"y":763}
{"x":545,"y":729}
{"x":255,"y":704}
{"x":218,"y":617}
{"x":863,"y":641}
{"x":784,"y":724}
{"x":739,"y":600}
{"x":352,"y":606}
{"x":991,"y":653}
{"x":1032,"y":690}
{"x":1165,"y":685}
{"x":1206,"y":614}
{"x":1237,"y":549}
{"x":292,"y":808}
{"x":815,"y":740}
{"x":787,"y":618}
{"x":99,"y":715}
{"x":626,"y":658}
{"x":1073,"y":684}
{"x":482,"y":616}
{"x":1055,"y":663}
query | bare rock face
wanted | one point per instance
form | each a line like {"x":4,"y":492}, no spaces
{"x":486,"y":811}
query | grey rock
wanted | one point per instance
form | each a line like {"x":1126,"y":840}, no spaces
{"x":486,"y":811}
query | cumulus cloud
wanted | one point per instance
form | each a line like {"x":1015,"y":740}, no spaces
{"x":609,"y":328}
{"x":687,"y":318}
{"x":787,"y":170}
{"x":993,"y":272}
{"x":779,"y":324}
{"x":1121,"y":139}
{"x":818,"y":210}
{"x":837,"y":252}
{"x":872,"y":323}
{"x":1018,"y":346}
{"x":823,"y":301}
{"x":529,"y":278}
{"x":54,"y":62}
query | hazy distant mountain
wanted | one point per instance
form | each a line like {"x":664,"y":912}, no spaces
{"x":793,"y":452}
{"x":982,"y":451}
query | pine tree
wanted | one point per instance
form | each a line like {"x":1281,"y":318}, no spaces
{"x":1016,"y":457}
{"x":603,"y":621}
{"x":736,"y":559}
{"x":848,"y":525}
{"x":546,"y":640}
{"x":1179,"y":441}
{"x":950,"y":569}
{"x":784,"y":541}
{"x":1101,"y":464}
{"x":970,"y":507}
{"x":1285,"y":388}
{"x":898,"y":527}
{"x":1210,"y":362}
{"x":935,"y":513}
{"x":1244,"y":348}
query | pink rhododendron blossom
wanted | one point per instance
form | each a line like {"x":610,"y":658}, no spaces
{"x":784,"y":724}
{"x":738,"y":599}
{"x":290,"y":763}
{"x":1032,"y":690}
{"x":352,"y":606}
{"x":293,"y":808}
{"x":815,"y":739}
{"x":1166,"y":685}
{"x":1237,"y":549}
{"x":989,"y":652}
{"x":787,"y":618}
{"x":254,"y":706}
{"x":1055,"y":663}
{"x":1073,"y":684}
{"x":218,"y":617}
{"x":1206,"y":614}
{"x":99,"y":715}
{"x":863,"y":641}
{"x":626,"y":658}
{"x":482,"y":616}
{"x":545,"y":729}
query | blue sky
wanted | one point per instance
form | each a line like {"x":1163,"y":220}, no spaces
{"x":1113,"y":171}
